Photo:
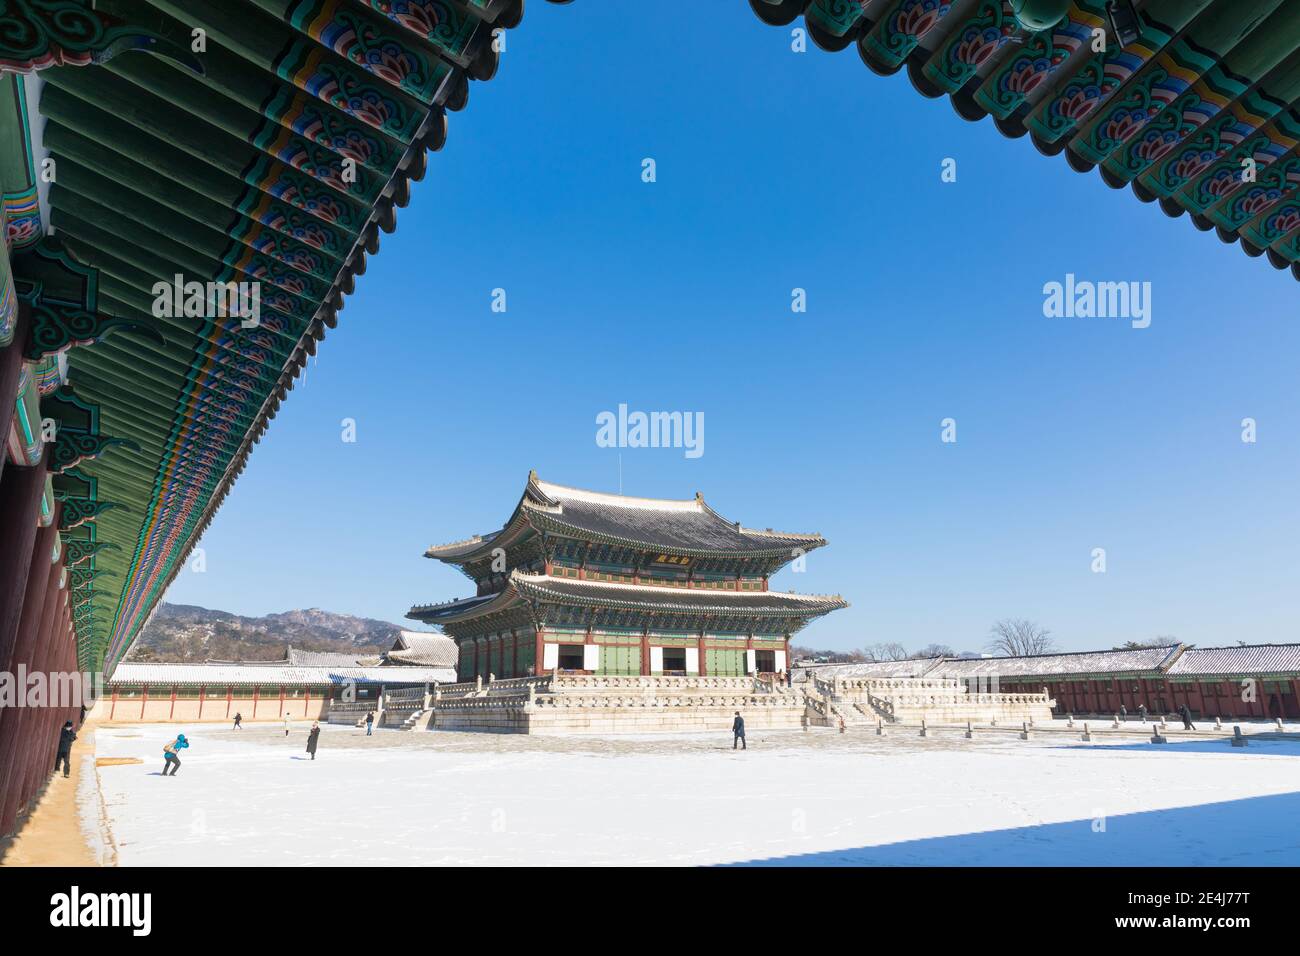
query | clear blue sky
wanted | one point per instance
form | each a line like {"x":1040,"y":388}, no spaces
{"x":779,"y":170}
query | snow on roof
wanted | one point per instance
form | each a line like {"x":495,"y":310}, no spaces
{"x":299,"y":658}
{"x":286,"y":674}
{"x":424,"y":648}
{"x":565,"y":493}
{"x":1251,"y":659}
{"x":1048,"y":665}
{"x":905,"y":668}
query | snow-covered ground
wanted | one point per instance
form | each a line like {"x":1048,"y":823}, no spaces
{"x":253,"y":797}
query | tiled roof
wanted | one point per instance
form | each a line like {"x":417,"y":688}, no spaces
{"x":325,"y":658}
{"x":222,"y":674}
{"x":1175,"y":104}
{"x":678,"y":526}
{"x":906,"y":668}
{"x":1251,"y":659}
{"x":1049,"y":665}
{"x":424,"y":649}
{"x":689,"y":525}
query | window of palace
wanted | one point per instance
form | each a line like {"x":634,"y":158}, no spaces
{"x":674,"y":660}
{"x":570,"y":658}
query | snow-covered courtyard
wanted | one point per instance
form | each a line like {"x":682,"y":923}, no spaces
{"x":253,"y":797}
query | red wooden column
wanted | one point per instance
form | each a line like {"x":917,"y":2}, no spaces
{"x":539,"y":651}
{"x":33,"y":723}
{"x":20,"y":506}
{"x":15,"y":746}
{"x":645,"y":653}
{"x":704,"y":658}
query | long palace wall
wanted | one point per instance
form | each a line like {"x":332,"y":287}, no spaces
{"x":1247,"y":698}
{"x":214,"y":705}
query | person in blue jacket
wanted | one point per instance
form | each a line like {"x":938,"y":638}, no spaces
{"x":171,"y":754}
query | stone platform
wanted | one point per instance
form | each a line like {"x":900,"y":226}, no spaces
{"x":909,"y":700}
{"x":563,"y":704}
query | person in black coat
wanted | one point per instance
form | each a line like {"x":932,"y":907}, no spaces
{"x":66,"y":736}
{"x":239,"y":720}
{"x":311,"y":740}
{"x":738,"y":732}
{"x":1186,"y":714}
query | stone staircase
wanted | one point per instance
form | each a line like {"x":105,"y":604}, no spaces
{"x":418,"y":720}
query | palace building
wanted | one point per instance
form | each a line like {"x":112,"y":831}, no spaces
{"x":586,"y":582}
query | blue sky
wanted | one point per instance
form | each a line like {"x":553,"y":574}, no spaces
{"x":779,"y":170}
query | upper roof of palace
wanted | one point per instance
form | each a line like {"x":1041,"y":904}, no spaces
{"x":686,"y":527}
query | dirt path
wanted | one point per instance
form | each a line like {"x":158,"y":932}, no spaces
{"x":52,"y":834}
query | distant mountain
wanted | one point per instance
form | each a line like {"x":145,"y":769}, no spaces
{"x":183,"y":633}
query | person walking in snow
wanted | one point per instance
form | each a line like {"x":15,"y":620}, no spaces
{"x":238,"y":721}
{"x":738,"y":732}
{"x":370,"y":723}
{"x":286,"y":726}
{"x":312,"y":738}
{"x":171,"y":754}
{"x":66,"y":736}
{"x":1142,"y":712}
{"x":1123,"y":714}
{"x":1186,"y":714}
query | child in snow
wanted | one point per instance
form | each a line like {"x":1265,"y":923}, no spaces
{"x":171,"y":754}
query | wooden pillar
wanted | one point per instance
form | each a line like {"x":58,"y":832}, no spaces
{"x":202,"y":691}
{"x":539,"y":652}
{"x":30,"y":722}
{"x":703,"y":670}
{"x":20,"y":507}
{"x":171,"y":713}
{"x":645,"y":652}
{"x":15,"y":746}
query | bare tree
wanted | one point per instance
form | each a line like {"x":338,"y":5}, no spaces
{"x":888,"y":651}
{"x":1160,"y":640}
{"x":934,"y":650}
{"x":1017,"y":637}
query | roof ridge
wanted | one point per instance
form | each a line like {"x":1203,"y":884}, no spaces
{"x":538,"y":579}
{"x":625,"y":500}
